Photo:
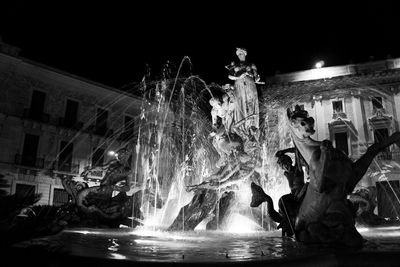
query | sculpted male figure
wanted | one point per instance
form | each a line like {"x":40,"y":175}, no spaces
{"x":324,"y":214}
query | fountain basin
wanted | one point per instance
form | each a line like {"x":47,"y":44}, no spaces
{"x":124,"y":247}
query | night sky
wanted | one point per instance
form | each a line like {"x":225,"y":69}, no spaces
{"x":111,"y":42}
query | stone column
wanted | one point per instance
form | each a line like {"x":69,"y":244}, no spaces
{"x":359,"y":124}
{"x":396,"y":111}
{"x":320,"y":120}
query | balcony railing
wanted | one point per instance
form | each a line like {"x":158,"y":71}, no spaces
{"x":95,"y":174}
{"x":396,"y":156}
{"x":102,"y":131}
{"x":337,"y":115}
{"x":76,"y":125}
{"x":53,"y":166}
{"x":126,"y":135}
{"x":389,"y":155}
{"x":29,"y":161}
{"x":384,"y":155}
{"x":67,"y":168}
{"x":379,"y":112}
{"x":106,"y":132}
{"x":41,"y":117}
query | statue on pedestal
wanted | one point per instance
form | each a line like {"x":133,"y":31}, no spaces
{"x":245,"y":76}
{"x":236,"y":139}
{"x":235,"y":124}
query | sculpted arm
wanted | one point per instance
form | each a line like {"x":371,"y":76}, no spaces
{"x":237,"y":178}
{"x":236,"y":77}
{"x":214,"y":117}
{"x":255,"y":73}
{"x":284,"y":151}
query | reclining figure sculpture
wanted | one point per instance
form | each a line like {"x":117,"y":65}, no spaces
{"x":323,"y":214}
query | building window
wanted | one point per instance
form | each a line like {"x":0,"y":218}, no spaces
{"x":128,"y":124}
{"x":71,"y":113}
{"x":379,"y":136}
{"x":101,"y":121}
{"x":341,"y":142}
{"x":29,"y":152}
{"x":25,"y":192}
{"x":98,"y":157}
{"x":337,"y":106}
{"x":388,"y":194}
{"x":127,"y":134}
{"x":65,"y":156}
{"x":37,"y":105}
{"x":60,"y":197}
{"x":377,"y":103}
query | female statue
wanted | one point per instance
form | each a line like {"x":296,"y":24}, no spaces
{"x":245,"y":76}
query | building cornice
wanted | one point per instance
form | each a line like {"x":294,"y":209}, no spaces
{"x":328,"y":73}
{"x":383,"y":83}
{"x":65,"y":77}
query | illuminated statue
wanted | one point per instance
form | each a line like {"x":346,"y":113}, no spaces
{"x":229,"y":107}
{"x":216,"y":111}
{"x":245,"y":76}
{"x":224,"y":110}
{"x":324,"y":214}
{"x":236,"y":139}
{"x":99,"y":204}
{"x":235,"y":135}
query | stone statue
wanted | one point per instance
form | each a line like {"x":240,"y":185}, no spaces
{"x":98,"y":204}
{"x":324,"y":214}
{"x":118,"y":172}
{"x":245,"y":76}
{"x":288,"y":204}
{"x":293,"y":173}
{"x":216,"y":111}
{"x":364,"y":201}
{"x":229,"y":105}
{"x":224,"y":110}
{"x":239,"y":167}
{"x":235,"y":138}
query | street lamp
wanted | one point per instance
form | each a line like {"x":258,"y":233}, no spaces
{"x":319,"y":64}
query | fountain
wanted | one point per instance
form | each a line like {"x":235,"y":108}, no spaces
{"x":180,"y":188}
{"x":175,"y":179}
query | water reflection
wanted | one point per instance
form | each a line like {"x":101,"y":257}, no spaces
{"x":117,"y":256}
{"x":114,"y":246}
{"x":211,"y":246}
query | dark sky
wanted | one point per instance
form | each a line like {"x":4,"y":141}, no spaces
{"x":110,"y":41}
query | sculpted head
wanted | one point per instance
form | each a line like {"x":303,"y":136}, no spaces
{"x":241,"y":53}
{"x":123,"y":154}
{"x":214,"y":102}
{"x":285,"y":162}
{"x":301,"y":124}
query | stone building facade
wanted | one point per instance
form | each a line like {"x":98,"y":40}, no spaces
{"x":353,"y":106}
{"x":54,"y":124}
